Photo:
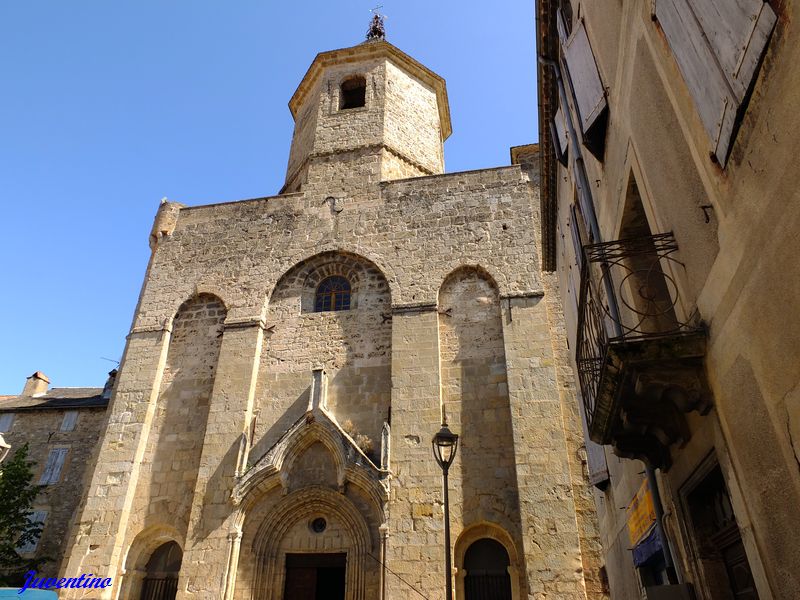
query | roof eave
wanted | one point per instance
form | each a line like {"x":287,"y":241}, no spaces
{"x":546,"y":47}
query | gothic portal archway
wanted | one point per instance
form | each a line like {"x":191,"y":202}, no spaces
{"x":313,"y":543}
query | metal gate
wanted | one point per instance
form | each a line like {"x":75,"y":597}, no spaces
{"x":163,"y":588}
{"x":487,"y":587}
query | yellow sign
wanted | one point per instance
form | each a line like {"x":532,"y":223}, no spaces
{"x":641,"y":514}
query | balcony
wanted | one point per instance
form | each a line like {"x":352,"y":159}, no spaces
{"x":640,"y":364}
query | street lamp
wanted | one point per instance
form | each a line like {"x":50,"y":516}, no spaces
{"x":445,"y":444}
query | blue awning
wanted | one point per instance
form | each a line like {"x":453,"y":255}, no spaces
{"x":647,"y":548}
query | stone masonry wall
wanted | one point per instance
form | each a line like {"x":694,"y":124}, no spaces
{"x":171,"y":460}
{"x":305,"y":129}
{"x":411,"y":125}
{"x":585,"y":513}
{"x":240,"y":250}
{"x":353,"y":346}
{"x":41,"y":430}
{"x":339,"y":129}
{"x":398,"y":127}
{"x":475,"y":400}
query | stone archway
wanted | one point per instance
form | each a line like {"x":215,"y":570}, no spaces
{"x":490,"y":531}
{"x":139,"y":554}
{"x":288,"y":530}
{"x":161,"y":573}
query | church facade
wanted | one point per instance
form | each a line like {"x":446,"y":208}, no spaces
{"x":290,"y":358}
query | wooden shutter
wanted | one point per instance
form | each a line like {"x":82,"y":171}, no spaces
{"x":560,"y":136}
{"x":590,"y":95}
{"x":575,"y":231}
{"x":738,"y":32}
{"x":52,"y":469}
{"x":6,"y":421}
{"x":595,"y":454}
{"x":37,"y":516}
{"x":717,"y":45}
{"x":70,"y":418}
{"x":572,"y":307}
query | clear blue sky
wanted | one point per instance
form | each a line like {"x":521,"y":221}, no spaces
{"x":109,"y":106}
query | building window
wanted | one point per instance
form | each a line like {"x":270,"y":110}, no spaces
{"x":6,"y":421}
{"x":70,"y":418}
{"x":588,"y":90}
{"x":37,"y":517}
{"x":353,"y":92}
{"x":718,"y":541}
{"x":718,"y":46}
{"x":566,"y":12}
{"x":333,"y":293}
{"x":52,"y":469}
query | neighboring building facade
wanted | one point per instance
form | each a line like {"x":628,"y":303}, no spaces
{"x":62,"y":427}
{"x":670,"y":213}
{"x":291,"y":357}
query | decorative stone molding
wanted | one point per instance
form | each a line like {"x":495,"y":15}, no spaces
{"x":317,"y":425}
{"x":299,"y":506}
{"x":303,"y":278}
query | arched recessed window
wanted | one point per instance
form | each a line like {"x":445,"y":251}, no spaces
{"x":353,"y":92}
{"x":333,"y":293}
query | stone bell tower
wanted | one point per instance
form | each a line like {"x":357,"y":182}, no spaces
{"x":366,"y":114}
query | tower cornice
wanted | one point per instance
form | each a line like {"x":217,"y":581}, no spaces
{"x":370,"y":50}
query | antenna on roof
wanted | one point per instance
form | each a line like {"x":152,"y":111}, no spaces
{"x":376,"y":30}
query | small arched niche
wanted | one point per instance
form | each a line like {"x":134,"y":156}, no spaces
{"x":353,"y":92}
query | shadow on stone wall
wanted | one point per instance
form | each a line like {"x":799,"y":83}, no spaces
{"x":475,"y":396}
{"x":182,"y":411}
{"x":353,"y":346}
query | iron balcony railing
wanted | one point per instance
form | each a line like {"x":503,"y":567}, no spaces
{"x":627,"y":294}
